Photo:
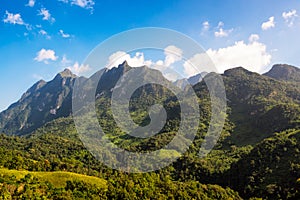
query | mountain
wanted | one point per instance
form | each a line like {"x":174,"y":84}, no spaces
{"x":284,"y":72}
{"x":43,"y":102}
{"x":250,"y":158}
{"x":257,"y":106}
{"x":196,"y":78}
{"x":193,"y":80}
{"x":271,"y":170}
{"x":46,"y":101}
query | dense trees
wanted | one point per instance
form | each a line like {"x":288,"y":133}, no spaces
{"x":249,"y":158}
{"x":271,"y":170}
{"x":118,"y":186}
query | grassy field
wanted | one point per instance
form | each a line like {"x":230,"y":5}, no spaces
{"x":58,"y":178}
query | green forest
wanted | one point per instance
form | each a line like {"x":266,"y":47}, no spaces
{"x":256,"y":157}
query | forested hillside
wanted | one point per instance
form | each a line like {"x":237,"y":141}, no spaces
{"x":257,"y":155}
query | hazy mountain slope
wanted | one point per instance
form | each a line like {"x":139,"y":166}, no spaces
{"x":193,"y":80}
{"x":284,"y":72}
{"x":46,"y":101}
{"x":43,"y":102}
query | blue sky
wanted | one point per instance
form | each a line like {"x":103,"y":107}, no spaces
{"x":39,"y":38}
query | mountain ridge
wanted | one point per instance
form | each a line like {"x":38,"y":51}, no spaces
{"x":45,"y":101}
{"x":42,"y":102}
{"x":284,"y":72}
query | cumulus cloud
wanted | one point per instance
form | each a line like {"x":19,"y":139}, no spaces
{"x":268,"y":24}
{"x":290,"y":17}
{"x":222,"y":32}
{"x":252,"y":56}
{"x":64,"y":35}
{"x":46,"y":15}
{"x":87,"y":4}
{"x":13,"y":18}
{"x":78,"y":69}
{"x":173,"y":54}
{"x":31,"y":3}
{"x":45,"y":56}
{"x":197,"y":64}
{"x":84,"y":3}
{"x":134,"y":61}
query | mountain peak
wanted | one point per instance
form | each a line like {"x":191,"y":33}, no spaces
{"x":284,"y":72}
{"x":237,"y":71}
{"x":67,"y":73}
{"x":124,"y":66}
{"x":125,"y":63}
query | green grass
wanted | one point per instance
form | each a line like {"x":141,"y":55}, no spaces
{"x":57,"y":179}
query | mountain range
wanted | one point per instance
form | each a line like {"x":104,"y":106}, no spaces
{"x":257,"y":154}
{"x":252,"y":99}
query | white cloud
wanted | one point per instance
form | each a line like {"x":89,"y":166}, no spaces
{"x":84,"y":3}
{"x":205,"y":26}
{"x":171,"y":76}
{"x":64,"y":35}
{"x":269,"y":24}
{"x":46,"y":15}
{"x":31,"y":3}
{"x":45,"y":55}
{"x":173,"y":54}
{"x":192,"y":65}
{"x":290,"y":14}
{"x":159,"y":62}
{"x":221,"y":32}
{"x":13,"y":18}
{"x":290,"y":17}
{"x":44,"y":33}
{"x":78,"y":69}
{"x":120,"y":56}
{"x":253,"y":38}
{"x":87,"y":4}
{"x":252,"y":56}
